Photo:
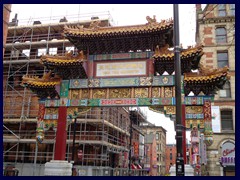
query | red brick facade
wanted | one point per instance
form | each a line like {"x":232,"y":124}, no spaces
{"x":207,"y":30}
{"x":171,"y":152}
{"x":208,"y":54}
{"x":6,"y":16}
{"x":208,"y":41}
{"x":170,"y":156}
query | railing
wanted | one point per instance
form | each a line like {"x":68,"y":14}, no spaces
{"x":107,"y":171}
{"x":70,"y":18}
{"x":80,"y":135}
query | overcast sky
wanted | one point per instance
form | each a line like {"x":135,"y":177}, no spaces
{"x":122,"y":14}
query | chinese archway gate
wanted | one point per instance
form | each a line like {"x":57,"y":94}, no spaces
{"x":123,"y":66}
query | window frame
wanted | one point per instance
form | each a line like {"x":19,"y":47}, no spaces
{"x":41,"y":51}
{"x":219,"y":60}
{"x":53,"y":50}
{"x":226,"y":119}
{"x":219,"y":35}
{"x":222,"y":9}
{"x":227,"y":89}
{"x":231,"y":9}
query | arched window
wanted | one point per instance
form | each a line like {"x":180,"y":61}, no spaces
{"x":227,"y":119}
{"x":221,"y":35}
{"x":222,"y":10}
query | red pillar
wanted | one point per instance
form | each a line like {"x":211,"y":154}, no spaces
{"x":61,"y":136}
{"x":184,"y":133}
{"x":150,"y":67}
{"x":90,"y":68}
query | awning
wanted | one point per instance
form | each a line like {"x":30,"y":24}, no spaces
{"x":133,"y":166}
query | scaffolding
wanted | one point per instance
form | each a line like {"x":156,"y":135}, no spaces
{"x":102,"y":134}
{"x":27,"y":40}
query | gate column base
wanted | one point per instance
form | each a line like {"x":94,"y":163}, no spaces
{"x":58,"y":168}
{"x":189,"y":171}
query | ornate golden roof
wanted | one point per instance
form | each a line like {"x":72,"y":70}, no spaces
{"x":45,"y":82}
{"x":95,"y":30}
{"x":164,"y":52}
{"x":206,"y":74}
{"x":67,"y":59}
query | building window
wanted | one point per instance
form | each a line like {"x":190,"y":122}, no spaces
{"x":222,"y":58}
{"x":70,"y":48}
{"x":222,"y":10}
{"x":232,"y":9}
{"x":157,"y":136}
{"x":221,"y":35}
{"x":170,"y":156}
{"x":52,"y":51}
{"x":26,"y":52}
{"x":226,"y":91}
{"x":158,"y":157}
{"x":157,"y":148}
{"x":15,"y":53}
{"x":42,"y":51}
{"x":227,"y":119}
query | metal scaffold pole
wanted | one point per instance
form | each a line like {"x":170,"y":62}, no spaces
{"x":178,"y":74}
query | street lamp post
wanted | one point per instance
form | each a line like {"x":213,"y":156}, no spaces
{"x":73,"y":146}
{"x":74,"y":135}
{"x":178,"y":74}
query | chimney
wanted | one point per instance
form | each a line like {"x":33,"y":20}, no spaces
{"x":14,"y":21}
{"x":198,"y":7}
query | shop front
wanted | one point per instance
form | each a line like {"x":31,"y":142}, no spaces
{"x":227,"y":159}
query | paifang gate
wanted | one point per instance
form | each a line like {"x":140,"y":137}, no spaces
{"x":123,"y":66}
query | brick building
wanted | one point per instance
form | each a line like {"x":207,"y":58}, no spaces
{"x":215,"y":30}
{"x":160,"y":136}
{"x":171,"y":152}
{"x":151,"y":154}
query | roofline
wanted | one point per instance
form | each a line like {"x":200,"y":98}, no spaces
{"x":53,"y":24}
{"x":154,"y":127}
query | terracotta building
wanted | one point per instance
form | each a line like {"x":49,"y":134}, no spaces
{"x":215,"y":30}
{"x":151,"y":154}
{"x":160,"y":137}
{"x":171,"y":152}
